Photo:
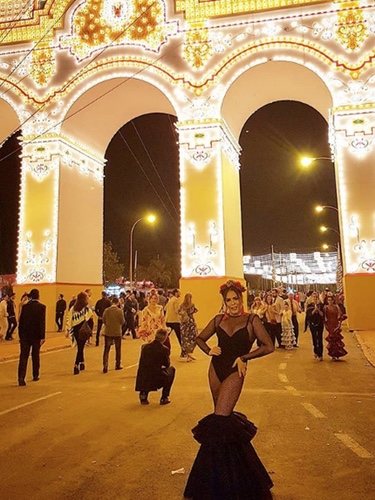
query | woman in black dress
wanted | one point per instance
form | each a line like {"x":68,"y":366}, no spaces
{"x":227,"y":466}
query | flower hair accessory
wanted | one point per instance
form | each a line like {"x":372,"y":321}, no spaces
{"x":232,"y":285}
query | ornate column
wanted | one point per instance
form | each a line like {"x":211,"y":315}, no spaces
{"x":61,"y":215}
{"x":211,"y":238}
{"x":354,"y":127}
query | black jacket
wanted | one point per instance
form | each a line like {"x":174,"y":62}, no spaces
{"x":32,"y":324}
{"x":60,"y":306}
{"x":150,"y":375}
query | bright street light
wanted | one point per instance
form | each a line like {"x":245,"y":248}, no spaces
{"x":324,"y":229}
{"x":307,"y":161}
{"x":319,"y":208}
{"x":326,"y":247}
{"x":151,"y":219}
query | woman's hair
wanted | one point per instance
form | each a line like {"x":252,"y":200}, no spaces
{"x":187,"y":301}
{"x":268,"y":297}
{"x":81,"y":301}
{"x":153,"y":293}
{"x":235,"y":286}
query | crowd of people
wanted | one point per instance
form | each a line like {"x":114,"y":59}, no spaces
{"x":279,"y":311}
{"x":226,"y":461}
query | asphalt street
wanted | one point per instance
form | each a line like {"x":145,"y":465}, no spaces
{"x":87,"y":437}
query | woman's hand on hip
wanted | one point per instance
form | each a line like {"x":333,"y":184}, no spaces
{"x":215,"y":351}
{"x":241,"y":367}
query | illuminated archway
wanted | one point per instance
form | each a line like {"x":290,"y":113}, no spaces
{"x":211,"y":64}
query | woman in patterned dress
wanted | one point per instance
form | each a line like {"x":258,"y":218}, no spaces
{"x":188,"y":326}
{"x":332,"y":321}
{"x":152,"y":318}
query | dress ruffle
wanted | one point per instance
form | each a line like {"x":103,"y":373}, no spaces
{"x":227,"y":466}
{"x":234,"y":428}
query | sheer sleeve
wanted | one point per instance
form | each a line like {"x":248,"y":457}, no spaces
{"x":205,"y":334}
{"x":256,"y":327}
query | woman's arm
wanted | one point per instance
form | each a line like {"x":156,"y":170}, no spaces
{"x":266,"y":345}
{"x":205,"y":334}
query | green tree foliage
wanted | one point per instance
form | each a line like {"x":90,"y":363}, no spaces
{"x":112,"y":267}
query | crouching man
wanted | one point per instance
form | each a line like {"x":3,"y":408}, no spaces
{"x":155,"y":370}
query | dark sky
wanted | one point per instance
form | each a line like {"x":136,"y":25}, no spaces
{"x":277,"y":196}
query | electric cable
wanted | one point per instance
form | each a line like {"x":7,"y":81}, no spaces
{"x":155,"y":169}
{"x":91,"y":102}
{"x":66,"y":118}
{"x":147,"y":177}
{"x":14,"y":21}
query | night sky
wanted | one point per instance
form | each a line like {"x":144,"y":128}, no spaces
{"x":277,"y":197}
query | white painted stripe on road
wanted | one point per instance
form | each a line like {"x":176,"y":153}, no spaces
{"x":313,"y":410}
{"x":283,"y":378}
{"x":282,"y":366}
{"x":287,"y":356}
{"x":131,"y":366}
{"x":18,"y":407}
{"x":353,"y":445}
{"x":52,"y":351}
{"x":292,"y":390}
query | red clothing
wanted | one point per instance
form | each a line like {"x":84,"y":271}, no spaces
{"x":335,"y":346}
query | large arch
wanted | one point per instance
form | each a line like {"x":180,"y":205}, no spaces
{"x":99,"y":112}
{"x":269,"y":82}
{"x":90,"y":123}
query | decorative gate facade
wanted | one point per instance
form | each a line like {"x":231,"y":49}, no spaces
{"x":73,"y":72}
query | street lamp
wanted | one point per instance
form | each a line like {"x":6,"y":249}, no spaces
{"x":307,"y":161}
{"x":324,"y":229}
{"x":326,"y":247}
{"x":319,"y":208}
{"x":151,"y":219}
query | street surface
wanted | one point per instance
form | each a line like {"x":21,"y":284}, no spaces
{"x":87,"y":437}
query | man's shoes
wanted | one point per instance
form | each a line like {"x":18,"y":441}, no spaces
{"x":143,"y":398}
{"x":105,"y":370}
{"x":82,"y":366}
{"x":119,"y":367}
{"x":35,"y":379}
{"x":165,"y":401}
{"x":76,"y":370}
{"x":21,"y":382}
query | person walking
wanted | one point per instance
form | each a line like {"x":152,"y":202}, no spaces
{"x":3,"y":316}
{"x":100,"y":306}
{"x":189,"y":330}
{"x":130,"y":310}
{"x":279,"y":307}
{"x":332,"y":320}
{"x":155,"y":370}
{"x":113,"y":319}
{"x":295,"y":309}
{"x":288,"y":339}
{"x":60,"y":311}
{"x":315,"y":321}
{"x":77,"y":325}
{"x":227,"y":466}
{"x":172,"y":317}
{"x":152,"y":319}
{"x":12,"y":320}
{"x":32,"y":333}
{"x":270,"y":316}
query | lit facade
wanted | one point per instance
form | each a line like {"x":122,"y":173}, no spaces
{"x":73,"y":72}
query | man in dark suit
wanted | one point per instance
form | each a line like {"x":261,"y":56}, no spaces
{"x":32,"y":333}
{"x":60,"y":311}
{"x":155,"y":370}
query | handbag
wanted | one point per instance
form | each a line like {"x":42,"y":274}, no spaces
{"x":85,"y":332}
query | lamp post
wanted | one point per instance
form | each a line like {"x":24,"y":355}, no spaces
{"x":307,"y":161}
{"x":319,"y":208}
{"x":151,"y":218}
{"x":324,"y":229}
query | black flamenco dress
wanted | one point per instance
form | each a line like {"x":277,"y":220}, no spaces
{"x":227,"y":466}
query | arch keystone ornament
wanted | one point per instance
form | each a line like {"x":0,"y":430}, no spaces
{"x":72,"y":72}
